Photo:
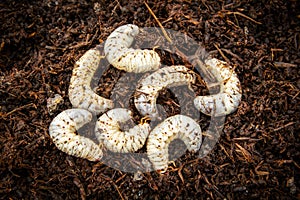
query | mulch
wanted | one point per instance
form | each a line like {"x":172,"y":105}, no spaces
{"x":256,"y":155}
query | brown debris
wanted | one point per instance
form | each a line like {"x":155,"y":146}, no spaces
{"x":257,"y":155}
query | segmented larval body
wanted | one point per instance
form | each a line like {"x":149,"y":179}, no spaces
{"x":63,"y":129}
{"x":119,"y":54}
{"x":109,"y":133}
{"x":148,"y":88}
{"x":175,"y":127}
{"x":229,"y":96}
{"x":81,"y":94}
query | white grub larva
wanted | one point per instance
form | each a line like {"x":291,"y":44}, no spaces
{"x":119,"y":54}
{"x":229,"y":97}
{"x":81,"y":94}
{"x":63,"y":129}
{"x":148,"y":88}
{"x":109,"y":133}
{"x":175,"y":127}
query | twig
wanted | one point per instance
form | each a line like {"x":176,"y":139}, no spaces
{"x":180,"y":174}
{"x":243,"y":15}
{"x":120,"y":194}
{"x":296,"y":95}
{"x":246,"y":138}
{"x":159,"y":24}
{"x":34,"y":142}
{"x":54,"y":48}
{"x":283,"y":64}
{"x":82,"y":192}
{"x":228,"y":52}
{"x":262,"y":173}
{"x":17,"y":109}
{"x":233,"y":54}
{"x":221,"y":52}
{"x":274,"y":50}
{"x":80,"y":44}
{"x":227,"y":154}
{"x":244,"y":152}
{"x":296,"y":165}
{"x":284,"y":126}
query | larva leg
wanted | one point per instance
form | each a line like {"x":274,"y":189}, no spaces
{"x":119,"y":54}
{"x":81,"y":94}
{"x":178,"y":126}
{"x":108,"y":131}
{"x":148,"y":88}
{"x":229,"y":97}
{"x":63,"y":128}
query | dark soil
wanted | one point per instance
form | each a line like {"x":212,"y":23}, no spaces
{"x":256,"y":156}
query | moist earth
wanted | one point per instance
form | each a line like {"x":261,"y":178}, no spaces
{"x":257,"y":155}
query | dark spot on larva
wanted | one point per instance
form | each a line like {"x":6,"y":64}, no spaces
{"x":113,"y":37}
{"x":118,"y":31}
{"x":119,"y":60}
{"x":208,"y":109}
{"x":223,"y":103}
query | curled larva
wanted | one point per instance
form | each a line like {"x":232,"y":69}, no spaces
{"x":229,"y":97}
{"x":81,"y":94}
{"x":175,"y":127}
{"x":109,"y":133}
{"x":119,"y":54}
{"x":63,"y":129}
{"x":148,"y":88}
